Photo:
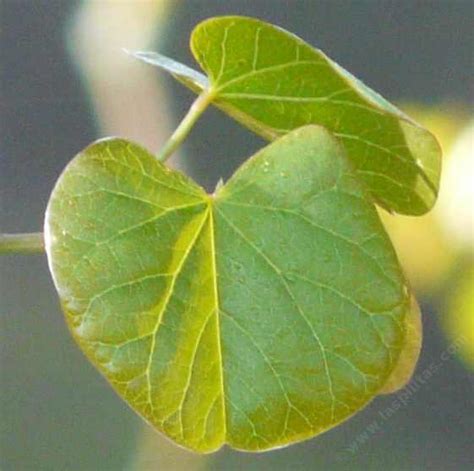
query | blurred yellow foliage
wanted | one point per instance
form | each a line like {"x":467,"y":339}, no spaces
{"x":458,"y":317}
{"x":425,"y":249}
{"x":433,"y":247}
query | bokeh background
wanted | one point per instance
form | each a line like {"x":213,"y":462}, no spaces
{"x":64,"y":81}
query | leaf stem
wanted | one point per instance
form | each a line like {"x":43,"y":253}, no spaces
{"x":21,"y":243}
{"x":183,"y":129}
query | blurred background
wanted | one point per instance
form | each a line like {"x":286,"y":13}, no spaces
{"x":64,"y":82}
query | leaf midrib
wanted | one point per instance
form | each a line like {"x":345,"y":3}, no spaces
{"x":217,"y":311}
{"x":169,"y":295}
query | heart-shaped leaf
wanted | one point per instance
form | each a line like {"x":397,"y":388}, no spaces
{"x":258,"y":316}
{"x":273,"y":82}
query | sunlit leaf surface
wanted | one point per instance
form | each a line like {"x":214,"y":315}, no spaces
{"x":258,"y":316}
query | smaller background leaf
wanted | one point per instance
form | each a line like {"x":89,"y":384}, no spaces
{"x":273,"y":82}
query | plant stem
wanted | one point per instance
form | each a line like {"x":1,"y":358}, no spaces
{"x":183,"y":129}
{"x":34,"y":242}
{"x":21,"y":243}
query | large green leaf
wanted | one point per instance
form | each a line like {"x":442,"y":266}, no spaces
{"x":273,"y":82}
{"x":258,"y":316}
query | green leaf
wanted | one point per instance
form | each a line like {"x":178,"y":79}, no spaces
{"x":184,"y":74}
{"x":258,"y":316}
{"x":273,"y":82}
